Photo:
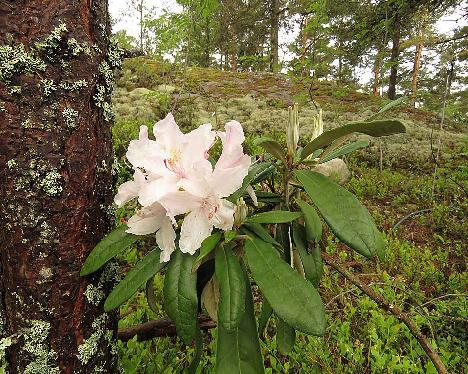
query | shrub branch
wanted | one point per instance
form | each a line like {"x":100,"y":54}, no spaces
{"x":393,"y":309}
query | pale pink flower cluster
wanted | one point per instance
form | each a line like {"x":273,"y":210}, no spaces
{"x":173,"y":177}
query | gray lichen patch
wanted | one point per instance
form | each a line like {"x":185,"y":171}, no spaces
{"x":74,"y":85}
{"x":92,"y":347}
{"x":51,"y":44}
{"x":51,"y":184}
{"x":93,"y":294}
{"x":15,"y":60}
{"x":70,"y":117}
{"x":48,"y":233}
{"x":35,"y":344}
{"x":11,"y":164}
{"x":47,"y":86}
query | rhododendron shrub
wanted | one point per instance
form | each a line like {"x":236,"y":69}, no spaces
{"x":218,"y":223}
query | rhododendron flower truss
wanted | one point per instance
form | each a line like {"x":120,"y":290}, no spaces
{"x":197,"y":211}
{"x":173,"y":177}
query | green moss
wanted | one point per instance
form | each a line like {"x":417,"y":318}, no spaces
{"x":35,"y":344}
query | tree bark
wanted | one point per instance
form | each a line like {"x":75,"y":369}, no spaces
{"x":416,"y":65}
{"x":55,"y":184}
{"x":377,"y":62}
{"x":394,"y":56}
{"x":274,"y":30}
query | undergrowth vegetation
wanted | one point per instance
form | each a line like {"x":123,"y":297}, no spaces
{"x":424,"y":271}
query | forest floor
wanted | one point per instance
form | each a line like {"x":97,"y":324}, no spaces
{"x":425,"y":267}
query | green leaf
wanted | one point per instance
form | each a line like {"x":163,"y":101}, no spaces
{"x":265,"y":315}
{"x":261,"y":232}
{"x":285,"y":337}
{"x":390,"y":105}
{"x":231,"y":288}
{"x":346,"y":149}
{"x":238,"y":351}
{"x":229,"y":236}
{"x":150,"y":295}
{"x":311,"y":259}
{"x":206,"y":247}
{"x":372,"y":128}
{"x":145,"y":269}
{"x":342,"y":211}
{"x":292,"y":297}
{"x":210,"y":298}
{"x":180,"y":295}
{"x":254,"y":171}
{"x":264,"y":197}
{"x":197,"y":355}
{"x":275,"y":216}
{"x":312,"y":220}
{"x":272,"y":147}
{"x":263,"y":175}
{"x":113,"y":243}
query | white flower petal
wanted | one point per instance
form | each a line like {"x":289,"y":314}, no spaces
{"x":167,"y":132}
{"x":156,"y":189}
{"x":195,"y":229}
{"x":146,"y":221}
{"x":252,"y":195}
{"x":165,"y":237}
{"x":224,"y":217}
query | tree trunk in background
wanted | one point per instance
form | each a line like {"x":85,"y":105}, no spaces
{"x":274,"y":30}
{"x":416,"y":65}
{"x":394,"y":57}
{"x":55,"y":184}
{"x":375,"y":89}
{"x":304,"y":39}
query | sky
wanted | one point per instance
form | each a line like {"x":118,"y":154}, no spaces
{"x":126,"y":20}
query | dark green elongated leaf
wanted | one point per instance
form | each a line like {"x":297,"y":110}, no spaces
{"x":110,"y":246}
{"x":265,"y":315}
{"x":254,"y":171}
{"x":285,"y":337}
{"x":272,"y":147}
{"x":372,"y":128}
{"x":261,"y":232}
{"x":313,"y":224}
{"x":346,"y":149}
{"x":390,"y":105}
{"x":206,"y":247}
{"x":347,"y":217}
{"x":275,"y":216}
{"x":238,"y":351}
{"x":138,"y":276}
{"x":180,"y":295}
{"x":150,"y":296}
{"x":310,"y":258}
{"x":263,"y":175}
{"x":264,"y":197}
{"x":231,"y":288}
{"x":192,"y":369}
{"x":292,"y":297}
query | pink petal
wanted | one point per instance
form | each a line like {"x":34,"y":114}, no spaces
{"x":146,"y":221}
{"x":224,"y":217}
{"x":129,"y":190}
{"x":165,"y":237}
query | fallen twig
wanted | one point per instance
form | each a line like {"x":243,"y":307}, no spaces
{"x":393,"y":309}
{"x":158,"y":328}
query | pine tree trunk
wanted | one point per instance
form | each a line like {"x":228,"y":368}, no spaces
{"x":274,"y":30}
{"x":375,"y":89}
{"x":55,"y":184}
{"x":416,"y":65}
{"x":394,"y":57}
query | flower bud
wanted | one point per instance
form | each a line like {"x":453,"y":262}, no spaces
{"x":292,"y":130}
{"x":241,"y":213}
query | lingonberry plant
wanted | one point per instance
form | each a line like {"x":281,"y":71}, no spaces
{"x":241,"y":220}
